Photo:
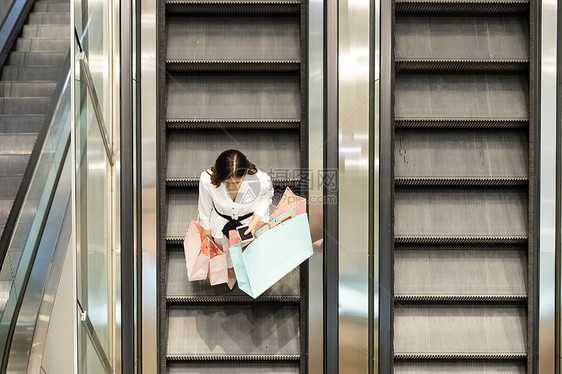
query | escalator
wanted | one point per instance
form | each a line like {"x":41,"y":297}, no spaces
{"x":234,"y":77}
{"x":463,"y":177}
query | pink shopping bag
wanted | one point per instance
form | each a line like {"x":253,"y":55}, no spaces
{"x":218,"y":272}
{"x":196,"y":253}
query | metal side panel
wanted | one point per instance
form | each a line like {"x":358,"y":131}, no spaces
{"x":229,"y":368}
{"x":463,"y":329}
{"x":190,"y":154}
{"x":478,"y":367}
{"x":233,"y":97}
{"x":426,"y":153}
{"x":460,"y":212}
{"x":458,"y":37}
{"x":238,"y":330}
{"x":178,"y":286}
{"x":243,"y":38}
{"x":476,"y":96}
{"x":460,"y":272}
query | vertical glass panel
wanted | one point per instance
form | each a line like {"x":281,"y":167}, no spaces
{"x":88,"y":359}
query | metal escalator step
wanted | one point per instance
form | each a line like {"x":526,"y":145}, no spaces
{"x":232,"y":6}
{"x":472,"y":41}
{"x":9,"y":186}
{"x":51,"y":6}
{"x":439,"y":274}
{"x":463,"y":357}
{"x":461,"y":158}
{"x":425,"y":299}
{"x":244,"y":38}
{"x":36,"y":58}
{"x":13,"y":164}
{"x":182,"y":209}
{"x":49,"y":18}
{"x":460,"y":123}
{"x":493,"y":212}
{"x":459,"y":367}
{"x":226,"y":357}
{"x":178,"y":286}
{"x":226,"y":367}
{"x":420,"y":64}
{"x":234,"y":97}
{"x":469,"y":331}
{"x":5,"y":207}
{"x":45,"y":31}
{"x":461,"y":6}
{"x":16,"y":144}
{"x":194,"y":182}
{"x":226,"y":124}
{"x":183,"y":300}
{"x":461,"y":239}
{"x":20,"y":123}
{"x":26,"y":89}
{"x":453,"y":182}
{"x":460,"y":96}
{"x":245,"y":66}
{"x":24,"y":105}
{"x":31,"y":73}
{"x":248,"y":330}
{"x":267,"y":149}
{"x":41,"y":44}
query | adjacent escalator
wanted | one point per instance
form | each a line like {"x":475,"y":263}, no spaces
{"x":234,"y":77}
{"x":462,"y":155}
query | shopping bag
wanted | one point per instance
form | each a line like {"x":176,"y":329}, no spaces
{"x":289,"y":200}
{"x":271,"y":256}
{"x":196,"y":253}
{"x":290,"y":213}
{"x":218,"y":272}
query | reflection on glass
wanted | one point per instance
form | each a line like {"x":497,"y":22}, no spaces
{"x":88,"y":359}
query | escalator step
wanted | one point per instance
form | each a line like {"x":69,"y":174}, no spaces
{"x":214,"y":330}
{"x":45,"y":31}
{"x":226,"y":124}
{"x":36,"y":58}
{"x":20,"y":123}
{"x":24,"y":105}
{"x":13,"y":164}
{"x":194,"y":182}
{"x":9,"y":186}
{"x":191,"y":300}
{"x":462,"y":6}
{"x":232,"y":7}
{"x":41,"y":44}
{"x":31,"y":73}
{"x":51,"y":6}
{"x":460,"y":182}
{"x":460,"y":239}
{"x":49,"y":18}
{"x":226,"y":367}
{"x":461,"y":65}
{"x":460,"y":123}
{"x":227,"y":357}
{"x":459,"y":367}
{"x":26,"y":89}
{"x":245,"y":66}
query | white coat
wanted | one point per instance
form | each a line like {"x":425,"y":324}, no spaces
{"x":255,"y":195}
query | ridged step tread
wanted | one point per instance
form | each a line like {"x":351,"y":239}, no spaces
{"x":468,"y":182}
{"x":232,"y":7}
{"x":194,"y":182}
{"x":461,"y":357}
{"x":465,"y":240}
{"x":42,"y":44}
{"x":422,"y":299}
{"x":51,"y":6}
{"x":460,"y":123}
{"x":247,"y":66}
{"x":181,"y":300}
{"x":218,"y":124}
{"x":26,"y":89}
{"x":460,"y":65}
{"x":48,"y":18}
{"x":36,"y":58}
{"x":31,"y":73}
{"x":10,"y":123}
{"x":24,"y":105}
{"x":461,"y":6}
{"x":45,"y":31}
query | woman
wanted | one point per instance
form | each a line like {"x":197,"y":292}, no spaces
{"x":232,"y":193}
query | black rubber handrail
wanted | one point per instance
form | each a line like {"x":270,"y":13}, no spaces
{"x":12,"y":25}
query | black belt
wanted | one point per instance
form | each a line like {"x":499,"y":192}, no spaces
{"x":232,"y":223}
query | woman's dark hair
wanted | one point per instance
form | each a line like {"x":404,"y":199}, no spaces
{"x":231,"y":163}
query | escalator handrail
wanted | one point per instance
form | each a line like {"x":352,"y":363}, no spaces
{"x":30,"y":170}
{"x":22,"y":195}
{"x":11,"y":26}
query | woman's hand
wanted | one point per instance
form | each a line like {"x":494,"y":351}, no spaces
{"x":205,"y":233}
{"x":252,"y":225}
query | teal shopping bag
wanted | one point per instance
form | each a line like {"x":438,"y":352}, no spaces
{"x":272,"y":255}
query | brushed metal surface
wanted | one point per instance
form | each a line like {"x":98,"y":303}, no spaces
{"x":229,"y":368}
{"x":245,"y":329}
{"x":460,"y":329}
{"x":452,"y":153}
{"x":242,"y":38}
{"x":460,"y":271}
{"x":460,"y":37}
{"x":461,"y":212}
{"x":316,"y":164}
{"x":459,"y":367}
{"x":269,"y":150}
{"x":479,"y":96}
{"x":353,"y":194}
{"x":548,"y":182}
